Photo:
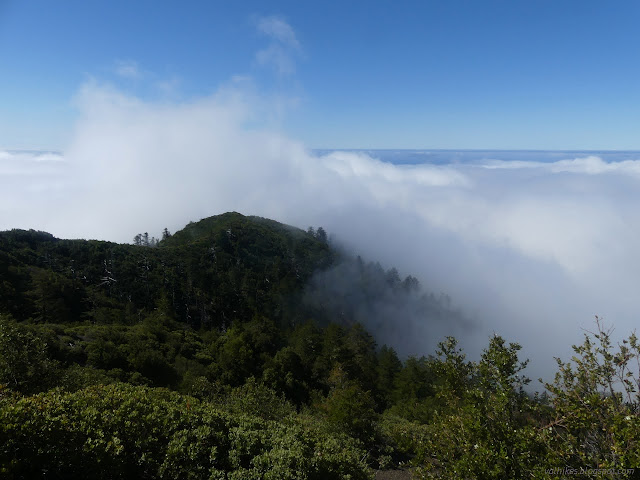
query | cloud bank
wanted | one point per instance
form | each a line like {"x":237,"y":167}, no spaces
{"x":530,"y":250}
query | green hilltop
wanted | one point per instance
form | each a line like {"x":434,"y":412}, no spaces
{"x":212,"y":272}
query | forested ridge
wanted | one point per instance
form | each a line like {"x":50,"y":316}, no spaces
{"x":201,"y":355}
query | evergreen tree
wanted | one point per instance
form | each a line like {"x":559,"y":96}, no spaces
{"x":321,"y":235}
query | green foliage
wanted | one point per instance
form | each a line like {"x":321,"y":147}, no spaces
{"x":387,"y":370}
{"x":595,"y":401}
{"x":213,"y":272}
{"x":24,"y":364}
{"x":77,"y":377}
{"x":484,"y":426}
{"x":272,"y":387}
{"x":451,"y":368}
{"x":200,"y":387}
{"x":477,"y":420}
{"x":349,"y":408}
{"x":122,"y":431}
{"x":413,"y":392}
{"x":254,"y":398}
{"x":286,"y":373}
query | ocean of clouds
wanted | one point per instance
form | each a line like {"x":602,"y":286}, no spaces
{"x":530,"y":250}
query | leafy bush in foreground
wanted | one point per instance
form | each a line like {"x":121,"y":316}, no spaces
{"x":596,"y":405}
{"x":483,"y":426}
{"x":24,"y":365}
{"x":125,"y":431}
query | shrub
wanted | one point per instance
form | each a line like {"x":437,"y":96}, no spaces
{"x":124,"y":431}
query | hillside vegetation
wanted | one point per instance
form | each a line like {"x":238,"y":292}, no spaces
{"x":228,"y":351}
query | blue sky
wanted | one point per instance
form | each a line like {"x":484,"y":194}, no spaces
{"x":369,"y":74}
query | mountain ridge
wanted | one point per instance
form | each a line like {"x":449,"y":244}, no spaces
{"x":223,"y":256}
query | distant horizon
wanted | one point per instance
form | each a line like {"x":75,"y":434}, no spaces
{"x":368,"y":149}
{"x":560,"y":150}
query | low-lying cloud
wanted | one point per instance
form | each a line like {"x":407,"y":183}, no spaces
{"x":531,"y":250}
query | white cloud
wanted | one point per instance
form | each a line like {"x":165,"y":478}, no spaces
{"x":278,"y":29}
{"x":128,"y":69}
{"x":591,"y":165}
{"x":282,"y":49}
{"x":360,"y":166}
{"x":277,"y":57}
{"x":531,"y":252}
{"x":29,"y":162}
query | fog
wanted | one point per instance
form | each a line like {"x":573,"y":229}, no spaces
{"x":531,"y":250}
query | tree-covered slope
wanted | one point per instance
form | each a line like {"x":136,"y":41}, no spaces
{"x":210,"y":273}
